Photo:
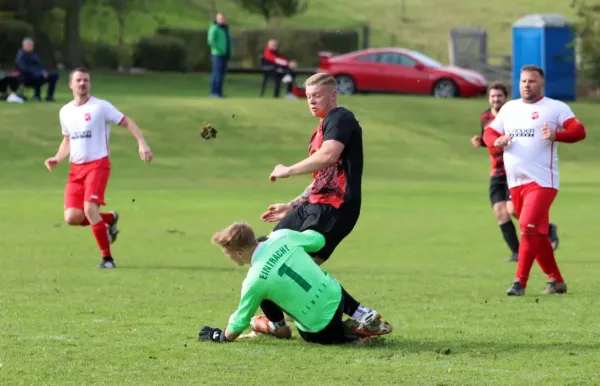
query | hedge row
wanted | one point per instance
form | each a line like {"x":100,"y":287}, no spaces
{"x":299,"y":44}
{"x":176,"y":49}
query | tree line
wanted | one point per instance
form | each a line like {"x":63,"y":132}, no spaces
{"x":35,"y":13}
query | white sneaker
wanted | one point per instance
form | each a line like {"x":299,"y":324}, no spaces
{"x":366,"y":315}
{"x":291,"y":96}
{"x":14,"y":98}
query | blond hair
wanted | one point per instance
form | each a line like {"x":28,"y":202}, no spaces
{"x":238,"y":235}
{"x":321,"y":79}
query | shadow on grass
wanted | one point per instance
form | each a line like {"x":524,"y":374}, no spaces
{"x":446,"y":348}
{"x":394,"y":346}
{"x":179,"y":268}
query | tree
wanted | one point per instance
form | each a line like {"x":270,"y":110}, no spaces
{"x":587,"y":26}
{"x":123,"y":8}
{"x":274,"y":8}
{"x":72,"y":41}
{"x":37,"y":14}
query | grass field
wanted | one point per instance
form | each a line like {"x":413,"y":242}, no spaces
{"x":426,"y":27}
{"x":426,"y":251}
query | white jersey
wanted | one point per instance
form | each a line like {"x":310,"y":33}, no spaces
{"x":529,"y":157}
{"x":88,"y":128}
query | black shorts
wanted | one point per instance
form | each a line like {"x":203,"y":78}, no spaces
{"x":334,"y":224}
{"x":499,"y":189}
{"x":333,"y":333}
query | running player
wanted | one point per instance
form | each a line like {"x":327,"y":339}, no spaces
{"x":331,"y":204}
{"x":499,"y":194}
{"x":529,"y":130}
{"x":85,"y":124}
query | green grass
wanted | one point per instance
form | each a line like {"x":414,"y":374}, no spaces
{"x":426,"y":251}
{"x":426,"y":27}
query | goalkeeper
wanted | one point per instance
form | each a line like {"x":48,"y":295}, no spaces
{"x":282,"y":274}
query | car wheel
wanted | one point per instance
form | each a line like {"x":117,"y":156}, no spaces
{"x":445,"y":88}
{"x":345,"y":85}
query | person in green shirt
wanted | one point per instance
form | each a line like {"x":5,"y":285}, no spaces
{"x":219,"y":41}
{"x":281,"y":271}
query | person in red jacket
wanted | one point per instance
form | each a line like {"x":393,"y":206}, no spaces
{"x":284,"y":67}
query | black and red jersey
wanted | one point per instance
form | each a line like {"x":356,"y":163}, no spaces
{"x":496,"y":154}
{"x":341,"y":183}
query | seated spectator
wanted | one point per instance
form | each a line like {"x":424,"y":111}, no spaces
{"x":9,"y":81}
{"x":285,"y":67}
{"x":32,"y":71}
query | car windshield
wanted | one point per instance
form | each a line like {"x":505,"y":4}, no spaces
{"x":426,"y":60}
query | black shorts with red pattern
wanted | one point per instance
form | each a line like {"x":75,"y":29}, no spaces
{"x":334,"y":224}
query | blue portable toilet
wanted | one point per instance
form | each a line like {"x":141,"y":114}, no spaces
{"x":547,"y":41}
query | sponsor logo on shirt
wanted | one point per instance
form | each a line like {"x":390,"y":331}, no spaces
{"x":522,"y":133}
{"x":264,"y":273}
{"x":81,"y":134}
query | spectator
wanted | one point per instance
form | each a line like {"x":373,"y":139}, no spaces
{"x":285,"y":67}
{"x":220,"y":49}
{"x":33,"y":73}
{"x":9,"y":81}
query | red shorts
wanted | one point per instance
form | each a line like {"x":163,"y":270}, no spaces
{"x":532,"y":207}
{"x":87,"y":182}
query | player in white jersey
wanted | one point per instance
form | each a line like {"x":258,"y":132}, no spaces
{"x":529,"y":129}
{"x":85,"y":124}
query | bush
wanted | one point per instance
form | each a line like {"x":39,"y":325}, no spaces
{"x":12,"y":33}
{"x":301,"y":45}
{"x":101,"y":55}
{"x":160,"y":53}
{"x":197,"y":49}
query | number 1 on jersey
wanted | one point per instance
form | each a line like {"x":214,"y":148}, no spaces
{"x":285,"y":270}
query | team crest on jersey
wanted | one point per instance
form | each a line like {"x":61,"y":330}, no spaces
{"x":535,"y":115}
{"x":88,"y":117}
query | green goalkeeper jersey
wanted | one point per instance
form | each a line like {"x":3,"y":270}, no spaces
{"x":282,"y":271}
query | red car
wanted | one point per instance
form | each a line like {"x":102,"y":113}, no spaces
{"x":397,"y":70}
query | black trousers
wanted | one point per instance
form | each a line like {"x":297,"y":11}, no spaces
{"x":7,"y":82}
{"x":333,"y":333}
{"x":38,"y":81}
{"x":277,"y":73}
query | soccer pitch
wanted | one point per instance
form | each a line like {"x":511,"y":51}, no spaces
{"x":426,"y":252}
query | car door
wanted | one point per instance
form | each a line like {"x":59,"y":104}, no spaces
{"x":369,"y":73}
{"x":403,"y":73}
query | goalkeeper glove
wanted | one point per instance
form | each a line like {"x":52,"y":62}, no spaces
{"x":214,"y":334}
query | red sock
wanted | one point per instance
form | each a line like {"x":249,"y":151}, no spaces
{"x":528,"y":251}
{"x":108,"y":218}
{"x":546,"y":260}
{"x":101,"y":235}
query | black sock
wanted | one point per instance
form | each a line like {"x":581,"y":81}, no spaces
{"x":272,"y":311}
{"x":510,"y":236}
{"x":350,"y":304}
